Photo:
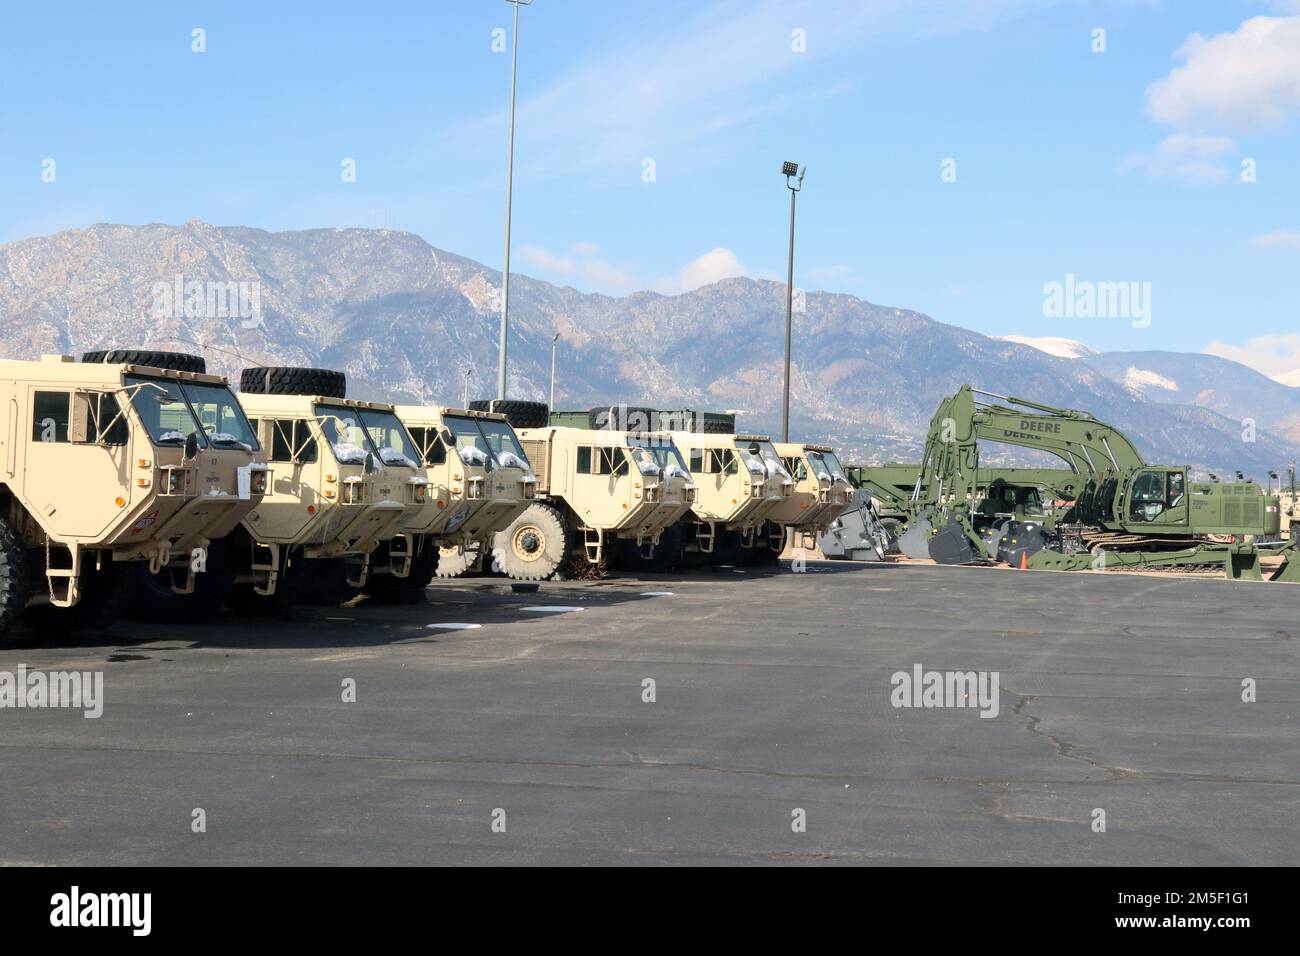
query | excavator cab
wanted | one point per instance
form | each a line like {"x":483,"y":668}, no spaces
{"x":1158,"y":496}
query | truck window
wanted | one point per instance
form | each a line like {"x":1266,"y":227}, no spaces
{"x":697,"y":461}
{"x":721,"y":461}
{"x":428,"y":442}
{"x":584,"y":460}
{"x":288,"y":435}
{"x":50,"y":416}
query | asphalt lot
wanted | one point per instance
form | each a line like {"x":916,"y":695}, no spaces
{"x":772,"y":693}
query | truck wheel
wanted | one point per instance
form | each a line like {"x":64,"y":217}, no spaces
{"x":13,"y":579}
{"x":410,"y":589}
{"x":536,"y":544}
{"x":519,"y":414}
{"x":319,"y":582}
{"x":288,"y":380}
{"x":453,"y":562}
{"x":104,"y":595}
{"x":176,"y":361}
{"x":156,"y":601}
{"x":243,"y":600}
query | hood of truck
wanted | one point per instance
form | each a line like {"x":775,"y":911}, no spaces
{"x":178,"y":505}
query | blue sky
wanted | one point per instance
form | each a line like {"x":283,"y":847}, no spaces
{"x":1114,"y":166}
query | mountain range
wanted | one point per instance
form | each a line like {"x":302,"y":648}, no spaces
{"x":405,"y":321}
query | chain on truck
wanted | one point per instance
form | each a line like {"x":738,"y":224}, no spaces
{"x":126,"y":460}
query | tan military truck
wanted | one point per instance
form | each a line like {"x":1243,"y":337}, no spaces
{"x":345,"y":477}
{"x":821,"y":491}
{"x":595,"y":487}
{"x":126,"y":459}
{"x":740,"y":481}
{"x":479,"y":482}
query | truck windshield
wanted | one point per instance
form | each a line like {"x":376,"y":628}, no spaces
{"x":388,"y":437}
{"x":653,"y":456}
{"x":221,"y":415}
{"x":761,"y":458}
{"x":343,"y":431}
{"x":162,"y":407}
{"x":825,"y":461}
{"x":483,"y":441}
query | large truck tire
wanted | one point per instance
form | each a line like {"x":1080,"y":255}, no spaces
{"x":410,"y":589}
{"x":156,"y":601}
{"x":172,"y":361}
{"x":13,"y":579}
{"x":535,"y":545}
{"x":289,"y":380}
{"x":518,"y":414}
{"x":456,"y":561}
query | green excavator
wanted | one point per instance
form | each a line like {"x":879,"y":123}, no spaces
{"x":1124,"y":511}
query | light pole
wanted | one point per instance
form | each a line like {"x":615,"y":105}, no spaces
{"x":554,"y":338}
{"x":468,"y":372}
{"x":794,"y":182}
{"x":510,"y":173}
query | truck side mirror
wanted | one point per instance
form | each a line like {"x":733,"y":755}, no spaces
{"x":191,"y":446}
{"x":368,"y":467}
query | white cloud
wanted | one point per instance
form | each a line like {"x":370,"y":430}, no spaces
{"x":723,"y":67}
{"x":582,"y":266}
{"x":1277,"y":356}
{"x":1279,"y":238}
{"x":1182,"y":157}
{"x":718,"y":263}
{"x":1243,"y":81}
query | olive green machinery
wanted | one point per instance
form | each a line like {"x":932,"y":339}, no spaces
{"x":111,"y":460}
{"x":594,"y":487}
{"x":1127,"y":512}
{"x":479,"y":479}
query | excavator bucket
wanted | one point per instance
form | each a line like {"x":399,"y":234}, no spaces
{"x":1020,"y":540}
{"x":915,"y":541}
{"x":992,"y":536}
{"x":952,"y":546}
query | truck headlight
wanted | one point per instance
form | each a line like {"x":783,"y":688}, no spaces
{"x":175,"y":481}
{"x":419,"y":493}
{"x":257,"y":482}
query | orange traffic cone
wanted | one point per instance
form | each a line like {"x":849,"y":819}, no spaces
{"x":1024,"y":561}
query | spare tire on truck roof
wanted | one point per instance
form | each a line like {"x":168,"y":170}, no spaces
{"x":519,"y":414}
{"x":288,"y":380}
{"x":173,"y":361}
